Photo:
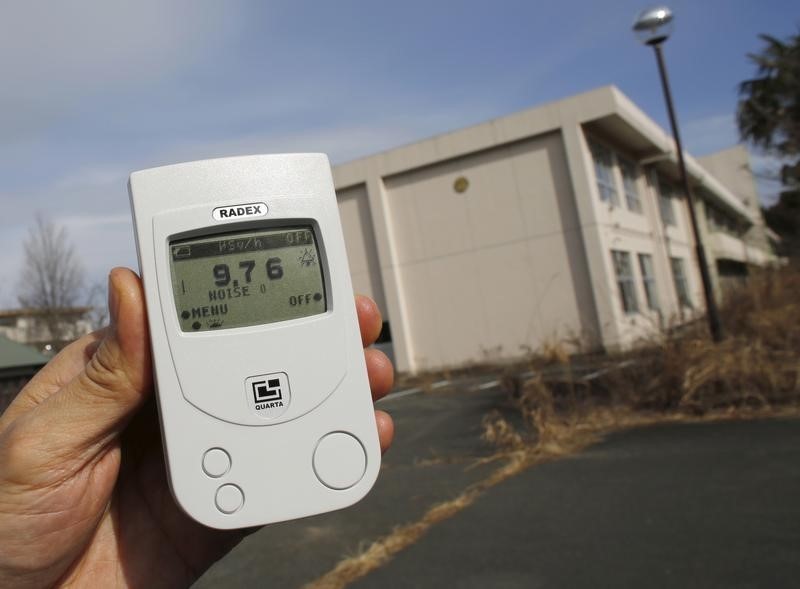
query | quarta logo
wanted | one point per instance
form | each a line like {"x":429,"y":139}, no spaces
{"x":250,"y":209}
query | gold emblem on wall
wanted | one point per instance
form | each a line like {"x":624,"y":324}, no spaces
{"x":461,"y":184}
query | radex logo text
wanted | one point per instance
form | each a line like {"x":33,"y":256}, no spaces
{"x":241,"y":211}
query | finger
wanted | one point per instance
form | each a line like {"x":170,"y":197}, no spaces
{"x":380,"y":373}
{"x":369,"y":319}
{"x":385,"y":429}
{"x":59,"y":371}
{"x":96,"y":405}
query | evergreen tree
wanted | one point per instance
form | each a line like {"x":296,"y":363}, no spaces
{"x":769,"y":117}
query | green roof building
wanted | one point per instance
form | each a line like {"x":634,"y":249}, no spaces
{"x":18,"y":360}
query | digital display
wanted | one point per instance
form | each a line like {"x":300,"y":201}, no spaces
{"x":247,"y":278}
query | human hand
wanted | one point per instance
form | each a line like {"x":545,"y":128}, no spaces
{"x":84,"y":499}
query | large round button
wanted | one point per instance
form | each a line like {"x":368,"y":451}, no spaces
{"x":216,"y":462}
{"x":229,"y":499}
{"x":339,"y":460}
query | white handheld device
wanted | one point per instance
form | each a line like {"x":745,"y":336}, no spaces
{"x":265,"y":405}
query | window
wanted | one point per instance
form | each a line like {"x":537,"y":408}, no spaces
{"x":681,"y":285}
{"x":604,"y":172}
{"x":625,"y":282}
{"x":649,"y":281}
{"x":719,"y":220}
{"x":665,"y":193}
{"x":629,"y":176}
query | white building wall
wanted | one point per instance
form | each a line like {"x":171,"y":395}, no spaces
{"x":362,"y":250}
{"x":493,"y":271}
{"x":733,"y":168}
{"x":621,"y":229}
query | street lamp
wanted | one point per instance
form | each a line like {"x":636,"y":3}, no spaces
{"x":652,"y":27}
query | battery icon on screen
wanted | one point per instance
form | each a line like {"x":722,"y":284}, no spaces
{"x":182,"y":251}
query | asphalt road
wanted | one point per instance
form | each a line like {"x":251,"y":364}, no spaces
{"x":700,"y":505}
{"x":711,"y":505}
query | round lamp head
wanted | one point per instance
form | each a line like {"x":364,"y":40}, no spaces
{"x":653,"y":25}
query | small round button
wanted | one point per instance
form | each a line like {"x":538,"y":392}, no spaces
{"x":339,"y":460}
{"x":229,"y":499}
{"x":216,"y":462}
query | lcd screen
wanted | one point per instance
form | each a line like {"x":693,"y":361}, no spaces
{"x":247,"y":278}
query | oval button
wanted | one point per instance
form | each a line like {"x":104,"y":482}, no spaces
{"x":339,"y":460}
{"x":229,"y":499}
{"x":216,"y":462}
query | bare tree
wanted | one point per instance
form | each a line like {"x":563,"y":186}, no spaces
{"x":96,"y":296}
{"x":52,"y":276}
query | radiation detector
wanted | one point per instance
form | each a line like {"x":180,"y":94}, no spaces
{"x":265,"y":406}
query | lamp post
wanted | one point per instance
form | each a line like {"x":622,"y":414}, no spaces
{"x":652,"y":27}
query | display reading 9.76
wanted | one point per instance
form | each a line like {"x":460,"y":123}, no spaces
{"x":247,"y":278}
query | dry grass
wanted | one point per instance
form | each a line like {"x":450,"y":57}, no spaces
{"x":754,"y":372}
{"x":758,"y":364}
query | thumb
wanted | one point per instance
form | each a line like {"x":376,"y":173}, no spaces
{"x":95,"y":406}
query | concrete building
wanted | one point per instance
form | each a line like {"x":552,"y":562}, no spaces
{"x":563,"y":222}
{"x":47,"y":331}
{"x":751,"y":245}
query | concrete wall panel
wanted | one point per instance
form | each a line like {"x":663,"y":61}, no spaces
{"x":490,"y":272}
{"x":362,"y":252}
{"x":447,"y":317}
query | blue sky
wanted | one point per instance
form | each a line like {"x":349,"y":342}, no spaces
{"x":93,"y":89}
